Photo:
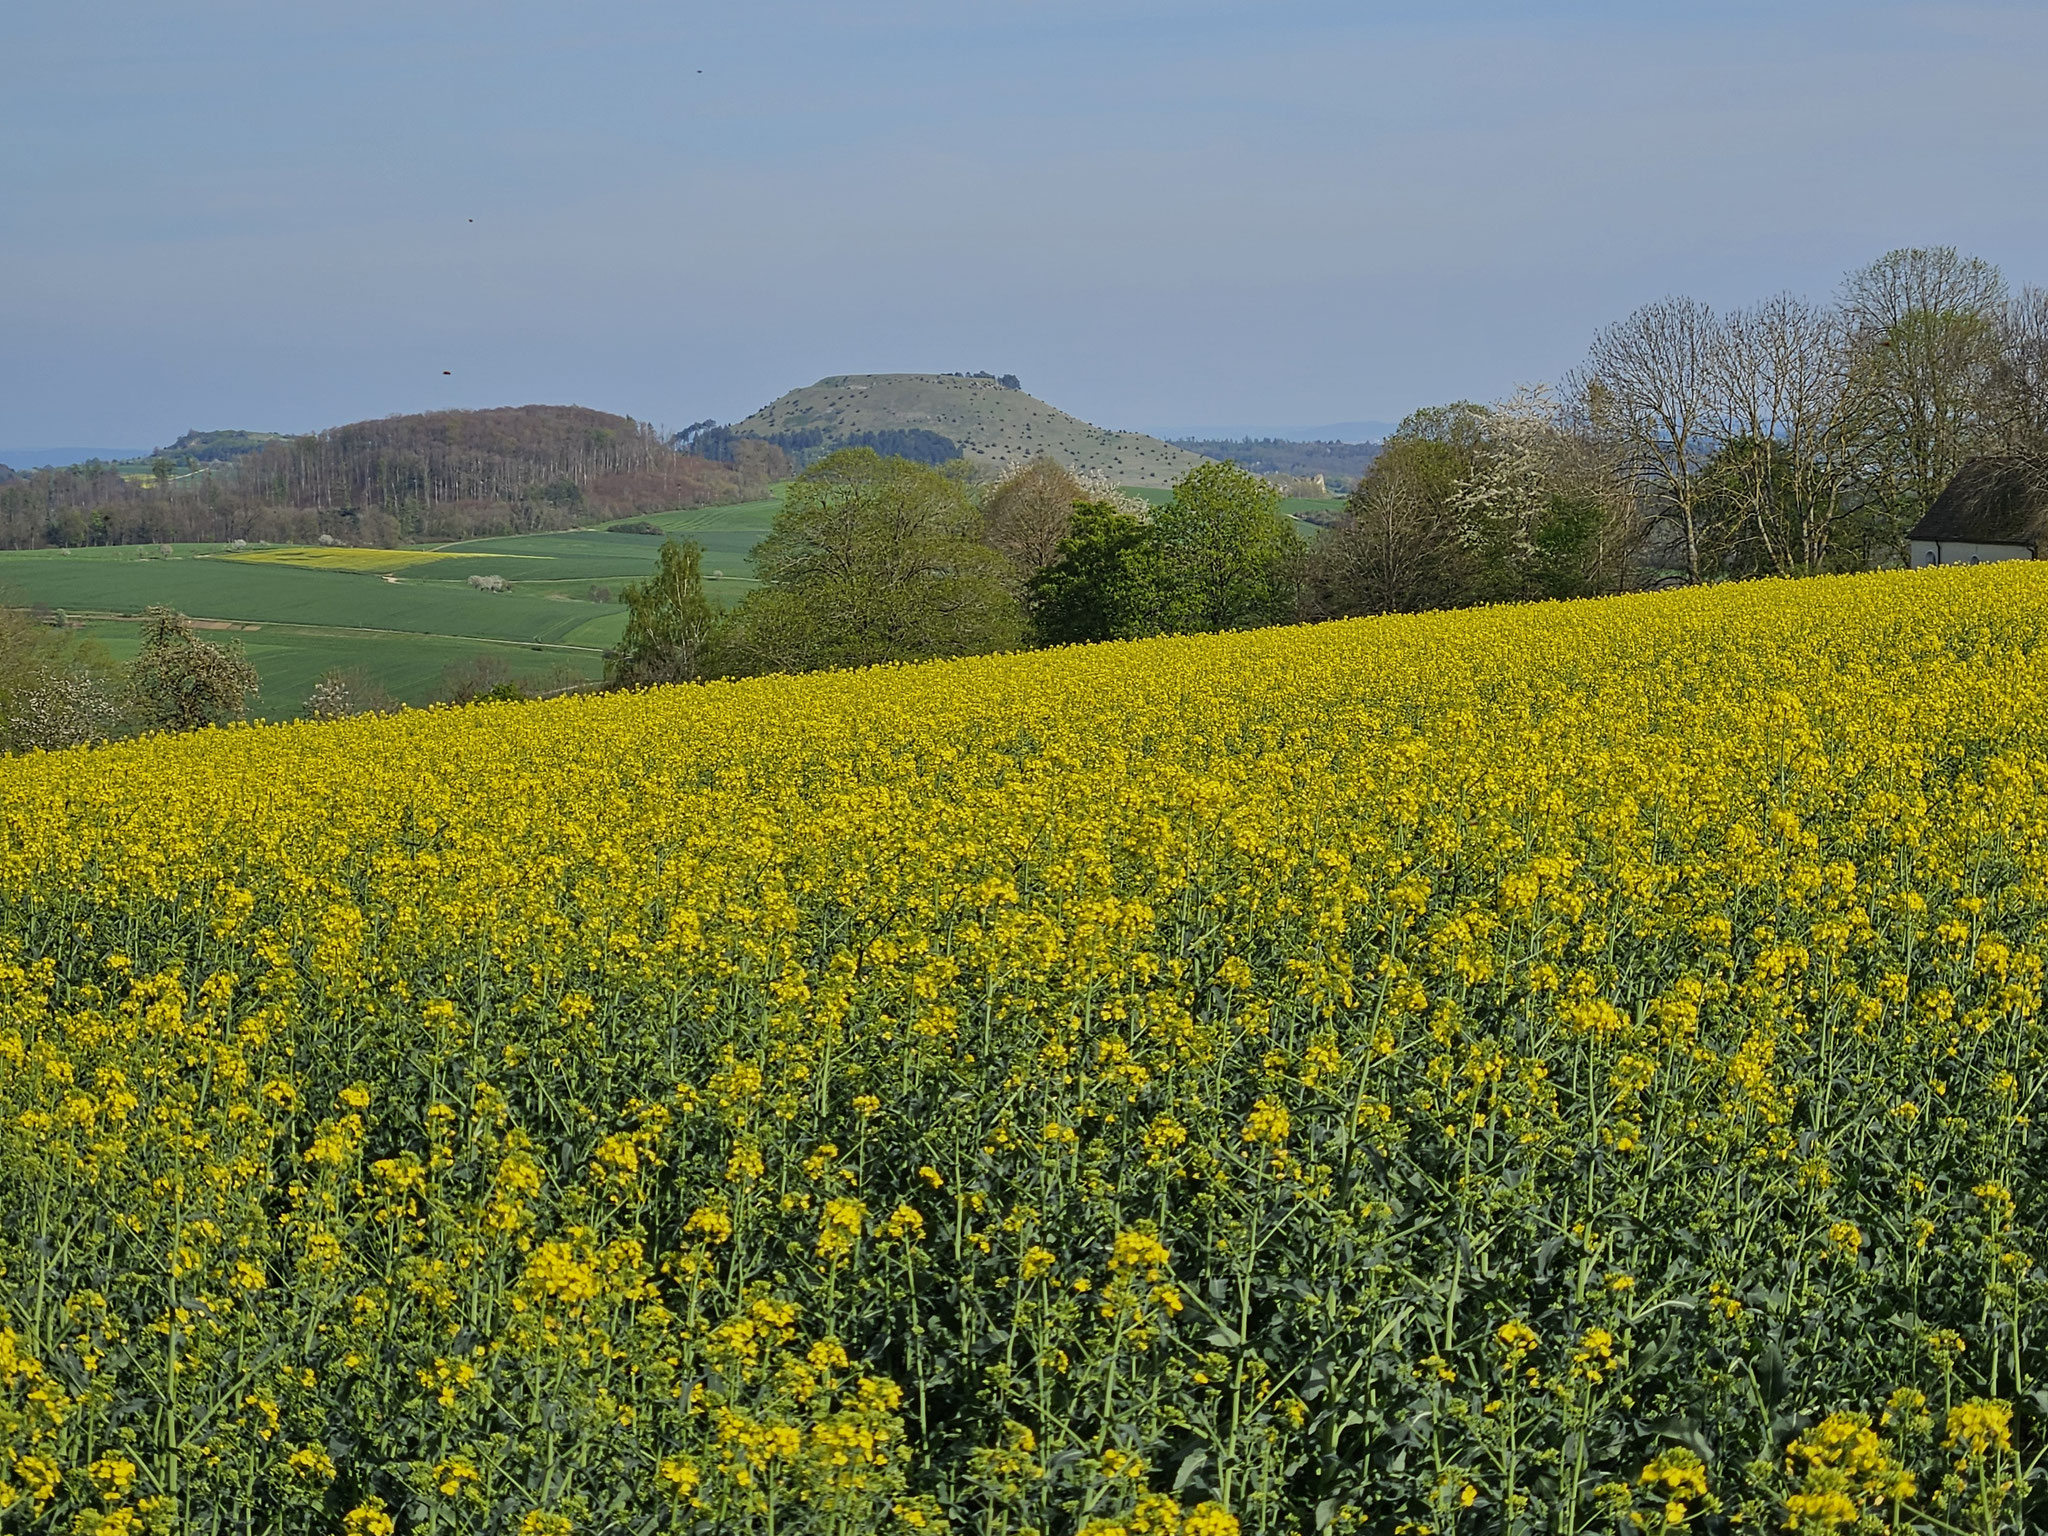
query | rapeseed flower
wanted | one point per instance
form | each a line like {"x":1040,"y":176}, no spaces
{"x":454,"y":1095}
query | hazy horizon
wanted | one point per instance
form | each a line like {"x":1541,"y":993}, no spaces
{"x":40,"y":457}
{"x":1156,"y":215}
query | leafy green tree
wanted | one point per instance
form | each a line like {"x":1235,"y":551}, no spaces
{"x":672,"y":631}
{"x":179,"y":682}
{"x":1225,"y":556}
{"x":1099,"y":585}
{"x":874,"y":560}
{"x":1573,"y":548}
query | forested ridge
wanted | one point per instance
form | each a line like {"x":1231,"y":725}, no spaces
{"x":439,"y":475}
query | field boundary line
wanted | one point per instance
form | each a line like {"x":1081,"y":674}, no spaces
{"x":102,"y":616}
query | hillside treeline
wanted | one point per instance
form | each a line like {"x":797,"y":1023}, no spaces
{"x":441,"y":475}
{"x":1791,"y":437}
{"x":1340,"y":464}
{"x":805,"y":446}
{"x":1785,"y":439}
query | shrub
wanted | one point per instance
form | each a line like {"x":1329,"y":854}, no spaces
{"x":179,"y":682}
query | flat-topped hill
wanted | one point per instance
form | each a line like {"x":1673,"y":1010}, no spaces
{"x":989,"y":421}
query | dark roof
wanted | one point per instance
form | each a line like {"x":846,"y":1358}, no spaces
{"x":2002,"y":500}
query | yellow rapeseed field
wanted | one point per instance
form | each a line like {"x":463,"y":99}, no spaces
{"x":343,"y":557}
{"x":1561,"y":1068}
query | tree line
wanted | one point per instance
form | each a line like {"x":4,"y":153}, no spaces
{"x":1790,"y":437}
{"x":1786,"y":438}
{"x":876,"y":559}
{"x":1340,"y":464}
{"x":1793,"y":436}
{"x":57,"y":691}
{"x":441,"y":475}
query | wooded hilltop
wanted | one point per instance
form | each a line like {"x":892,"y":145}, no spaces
{"x":440,"y":475}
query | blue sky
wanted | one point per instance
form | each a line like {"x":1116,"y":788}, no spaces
{"x":1160,"y":215}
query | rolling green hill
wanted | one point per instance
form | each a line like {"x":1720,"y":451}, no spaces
{"x":995,"y":426}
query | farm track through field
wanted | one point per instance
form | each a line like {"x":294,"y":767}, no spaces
{"x":205,"y":621}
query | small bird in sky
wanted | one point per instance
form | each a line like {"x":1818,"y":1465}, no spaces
{"x":447,"y":373}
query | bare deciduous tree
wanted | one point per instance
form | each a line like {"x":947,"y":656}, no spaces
{"x":1648,"y":384}
{"x":1926,"y":328}
{"x":2020,"y":386}
{"x":1027,"y":513}
{"x":1398,"y":548}
{"x":1789,"y":424}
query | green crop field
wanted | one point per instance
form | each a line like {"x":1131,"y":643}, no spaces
{"x":403,"y":616}
{"x":409,"y":667}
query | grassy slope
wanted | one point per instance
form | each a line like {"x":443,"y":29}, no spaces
{"x":991,"y":424}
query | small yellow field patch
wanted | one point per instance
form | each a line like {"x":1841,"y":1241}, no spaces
{"x":337,"y":558}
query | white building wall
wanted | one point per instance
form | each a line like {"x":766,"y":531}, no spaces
{"x":1953,"y":552}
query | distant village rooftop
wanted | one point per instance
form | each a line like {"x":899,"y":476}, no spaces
{"x":1996,"y":508}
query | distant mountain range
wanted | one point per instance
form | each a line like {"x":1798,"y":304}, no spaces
{"x":933,"y":417}
{"x":936,"y":416}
